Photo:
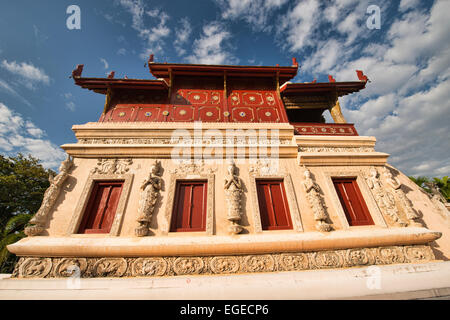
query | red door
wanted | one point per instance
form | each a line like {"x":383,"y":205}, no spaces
{"x":352,"y":202}
{"x":101,"y":208}
{"x":273,"y":205}
{"x":189,"y":212}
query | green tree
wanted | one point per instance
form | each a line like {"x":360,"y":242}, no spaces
{"x":442,"y":183}
{"x":444,"y":186}
{"x":420,"y":181}
{"x":23,"y":181}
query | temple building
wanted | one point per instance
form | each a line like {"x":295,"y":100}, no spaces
{"x":225,"y":170}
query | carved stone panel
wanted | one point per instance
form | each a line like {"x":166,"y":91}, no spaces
{"x":110,"y":267}
{"x":28,"y":267}
{"x":144,"y":267}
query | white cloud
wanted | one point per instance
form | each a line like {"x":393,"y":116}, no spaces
{"x":105,"y":63}
{"x":70,"y":105}
{"x":408,"y":4}
{"x":6,"y":87}
{"x":182,"y":35}
{"x":256,"y":13}
{"x":122,"y":51}
{"x":153,"y":36}
{"x":299,"y":24}
{"x":408,"y":109}
{"x":209,"y":48}
{"x":19,"y":135}
{"x":27,"y":71}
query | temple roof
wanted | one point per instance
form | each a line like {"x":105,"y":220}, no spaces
{"x":163,"y":70}
{"x":100,"y":85}
{"x":340,"y":88}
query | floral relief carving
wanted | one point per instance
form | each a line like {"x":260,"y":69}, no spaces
{"x":389,"y":255}
{"x":35,"y":267}
{"x":168,"y":266}
{"x":224,"y":265}
{"x":259,"y":263}
{"x":265,"y":167}
{"x":150,"y":190}
{"x":384,"y":197}
{"x":233,"y":191}
{"x":316,"y":202}
{"x":68,"y":267}
{"x":418,"y":253}
{"x":112,"y":166}
{"x":50,"y":197}
{"x":297,"y":261}
{"x":327,"y":259}
{"x":110,"y":267}
{"x":184,"y":265}
{"x":359,"y":257}
{"x":405,"y":203}
{"x":192,"y":167}
{"x":142,"y":267}
{"x":336,"y":149}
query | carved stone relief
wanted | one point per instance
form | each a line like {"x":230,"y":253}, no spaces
{"x":168,"y":266}
{"x":336,"y":149}
{"x":315,"y":201}
{"x":50,"y":197}
{"x":112,"y":166}
{"x":384,"y":197}
{"x":233,"y":191}
{"x":184,"y":141}
{"x":68,"y":267}
{"x":149,"y":196}
{"x":400,"y":195}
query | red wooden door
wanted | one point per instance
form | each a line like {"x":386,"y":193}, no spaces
{"x":189,"y":212}
{"x":352,"y":202}
{"x":101,"y":208}
{"x":273,"y":205}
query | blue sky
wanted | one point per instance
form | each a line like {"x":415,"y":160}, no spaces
{"x":406,"y":106}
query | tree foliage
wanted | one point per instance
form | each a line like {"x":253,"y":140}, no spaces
{"x":443,"y":184}
{"x":23,"y":181}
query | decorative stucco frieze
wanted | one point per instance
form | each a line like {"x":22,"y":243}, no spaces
{"x":112,"y":166}
{"x":187,"y":141}
{"x":32,"y":267}
{"x":336,"y":149}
